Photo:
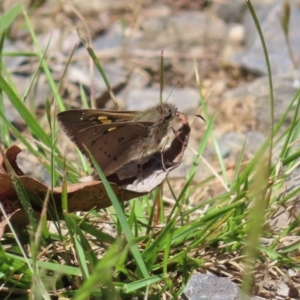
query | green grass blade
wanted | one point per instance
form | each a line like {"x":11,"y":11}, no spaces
{"x":7,"y":19}
{"x":121,"y":217}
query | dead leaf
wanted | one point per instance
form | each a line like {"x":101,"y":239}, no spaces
{"x":81,"y":196}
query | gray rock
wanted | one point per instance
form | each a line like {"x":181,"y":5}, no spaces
{"x":256,"y":94}
{"x":233,"y":142}
{"x":40,"y":91}
{"x":79,"y":73}
{"x":31,"y":166}
{"x":12,"y":62}
{"x":187,"y":100}
{"x":188,"y":34}
{"x":111,"y":40}
{"x":183,"y":30}
{"x":205,"y":286}
{"x":252,"y":58}
{"x":96,"y":6}
{"x":230,"y":11}
{"x":58,"y":42}
{"x":138,"y":79}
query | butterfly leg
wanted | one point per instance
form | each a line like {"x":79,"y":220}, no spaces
{"x":162,"y":152}
{"x":176,"y":132}
{"x":140,"y":168}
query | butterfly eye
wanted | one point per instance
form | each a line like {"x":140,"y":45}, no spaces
{"x":169,"y":115}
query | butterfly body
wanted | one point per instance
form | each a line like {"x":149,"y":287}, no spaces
{"x":116,"y":137}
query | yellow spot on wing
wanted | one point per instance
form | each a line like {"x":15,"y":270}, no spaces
{"x":104,"y":120}
{"x":111,"y":129}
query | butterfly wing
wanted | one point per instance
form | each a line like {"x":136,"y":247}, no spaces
{"x":112,"y":145}
{"x":77,"y":119}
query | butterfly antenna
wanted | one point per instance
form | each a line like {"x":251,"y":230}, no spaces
{"x":161,"y":76}
{"x":173,"y":88}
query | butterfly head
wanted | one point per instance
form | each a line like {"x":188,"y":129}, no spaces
{"x":167,"y":112}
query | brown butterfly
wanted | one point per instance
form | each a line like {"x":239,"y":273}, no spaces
{"x":116,"y":137}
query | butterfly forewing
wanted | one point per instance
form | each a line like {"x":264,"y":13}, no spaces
{"x":78,"y":119}
{"x":112,"y":145}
